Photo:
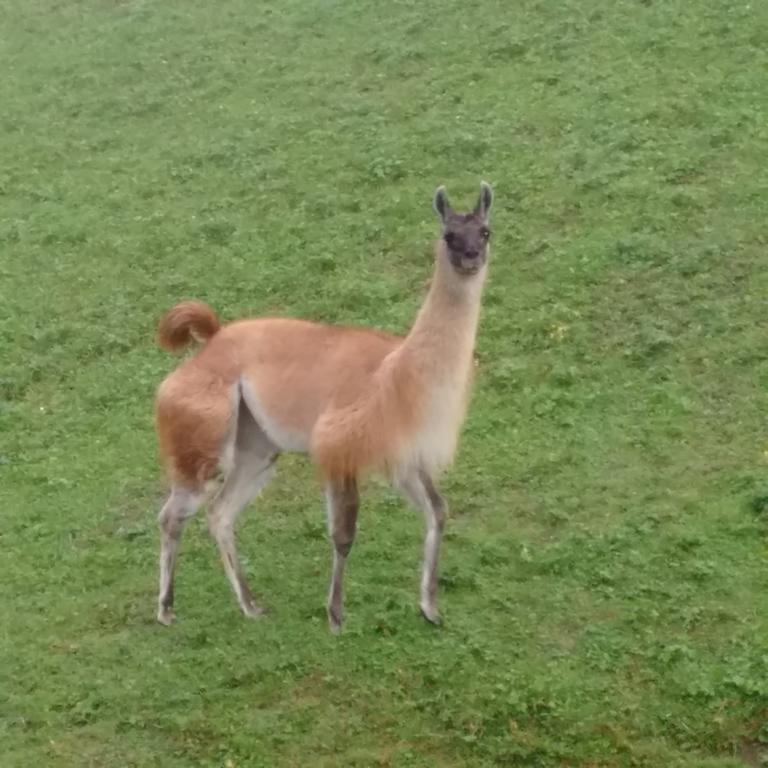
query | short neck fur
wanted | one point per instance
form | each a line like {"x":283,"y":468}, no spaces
{"x":443,"y":335}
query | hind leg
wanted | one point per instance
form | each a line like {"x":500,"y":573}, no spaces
{"x":253,"y":467}
{"x":181,"y":505}
{"x":240,"y":487}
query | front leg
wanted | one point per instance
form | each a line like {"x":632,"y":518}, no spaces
{"x":419,"y":489}
{"x":343,"y":502}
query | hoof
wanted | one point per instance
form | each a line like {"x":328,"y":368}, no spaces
{"x":432,"y":615}
{"x":253,"y":611}
{"x":166,"y":616}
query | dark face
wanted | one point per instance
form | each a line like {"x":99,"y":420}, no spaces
{"x":466,"y":238}
{"x":466,"y":235}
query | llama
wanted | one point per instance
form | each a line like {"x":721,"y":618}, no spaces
{"x":353,"y":399}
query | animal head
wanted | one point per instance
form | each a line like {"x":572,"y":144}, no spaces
{"x":466,"y":235}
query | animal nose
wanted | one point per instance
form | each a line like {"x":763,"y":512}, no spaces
{"x":471,"y":254}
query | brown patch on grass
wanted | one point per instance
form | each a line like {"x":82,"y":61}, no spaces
{"x":751,"y":752}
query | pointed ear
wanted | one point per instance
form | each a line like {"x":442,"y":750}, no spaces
{"x":440,"y":203}
{"x":485,"y":201}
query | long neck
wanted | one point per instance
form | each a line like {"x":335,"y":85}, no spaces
{"x":443,"y":335}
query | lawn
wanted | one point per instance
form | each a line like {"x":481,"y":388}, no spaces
{"x":604,"y":579}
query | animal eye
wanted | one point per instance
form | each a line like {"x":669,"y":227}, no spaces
{"x":450,"y":238}
{"x":485,"y":233}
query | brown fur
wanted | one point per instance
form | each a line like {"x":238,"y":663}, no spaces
{"x":357,"y":395}
{"x":372,"y":430}
{"x":299,"y":370}
{"x":187,"y":321}
{"x":364,"y":433}
{"x":354,"y":399}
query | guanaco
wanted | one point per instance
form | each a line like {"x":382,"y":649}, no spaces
{"x":353,"y":399}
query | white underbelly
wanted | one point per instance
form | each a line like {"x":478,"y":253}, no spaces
{"x":284,"y":438}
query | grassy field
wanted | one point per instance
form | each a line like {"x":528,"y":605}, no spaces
{"x":604,"y":580}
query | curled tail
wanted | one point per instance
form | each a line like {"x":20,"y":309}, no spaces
{"x":187,"y":321}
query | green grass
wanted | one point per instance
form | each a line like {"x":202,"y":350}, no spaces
{"x":604,"y":576}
